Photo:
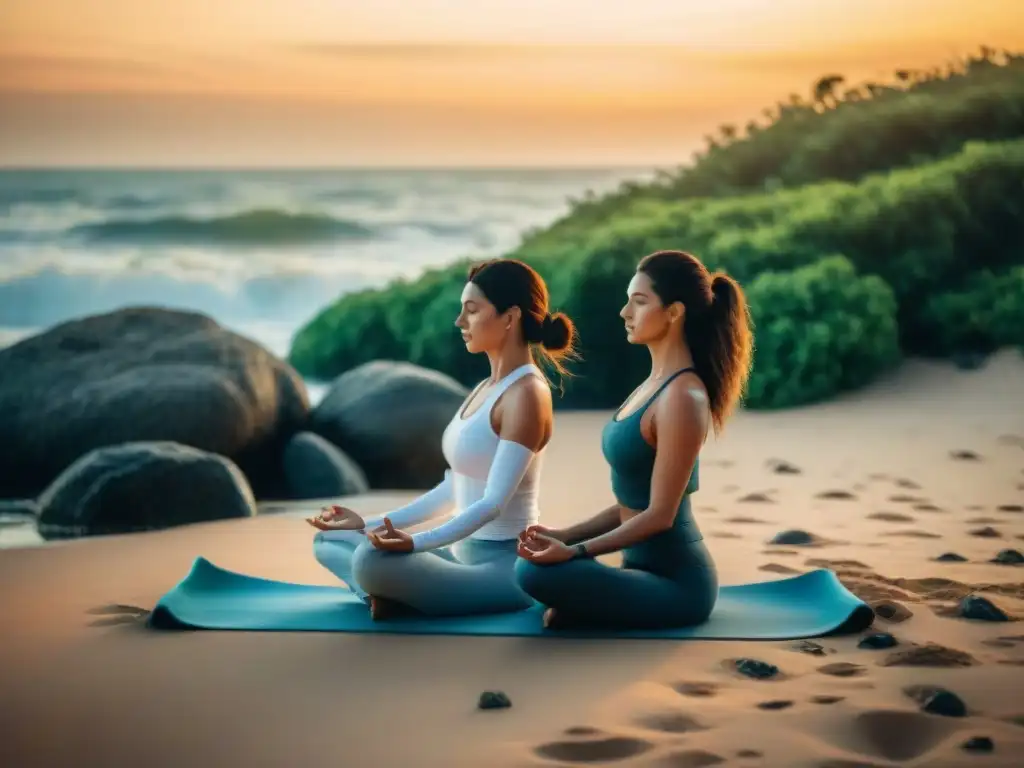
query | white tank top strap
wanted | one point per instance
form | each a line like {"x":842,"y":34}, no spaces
{"x":512,"y":377}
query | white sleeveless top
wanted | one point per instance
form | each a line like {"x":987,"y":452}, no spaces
{"x":469,"y":445}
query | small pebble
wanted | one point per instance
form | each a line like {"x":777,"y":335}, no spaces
{"x":978,"y":744}
{"x":981,"y":609}
{"x":794,"y":537}
{"x":759,"y":670}
{"x":493,"y":700}
{"x":945,"y":703}
{"x":1008,"y":557}
{"x":878,"y":641}
{"x":806,"y":646}
{"x":951,"y":557}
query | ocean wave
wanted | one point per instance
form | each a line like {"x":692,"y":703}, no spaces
{"x":249,"y":228}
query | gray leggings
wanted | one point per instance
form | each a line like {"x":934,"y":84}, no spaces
{"x":472,"y":576}
{"x":664,"y":582}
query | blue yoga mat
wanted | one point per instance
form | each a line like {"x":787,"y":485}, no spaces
{"x":809,"y":605}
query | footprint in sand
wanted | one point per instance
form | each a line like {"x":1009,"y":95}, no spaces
{"x":825,"y":699}
{"x":988,"y":532}
{"x":891,"y":517}
{"x":928,"y":655}
{"x":892,"y":734}
{"x":983,"y":520}
{"x":582,"y":730}
{"x":696,"y":689}
{"x":749,"y":753}
{"x":724,"y":535}
{"x":118,"y":613}
{"x":843,"y":763}
{"x":913,"y":533}
{"x":775,"y":705}
{"x":777,"y":568}
{"x":903,"y":498}
{"x":780,"y":552}
{"x":755,"y":498}
{"x":903,"y":482}
{"x":670,"y":722}
{"x":782,"y":467}
{"x":842,"y":669}
{"x":599,"y":750}
{"x":741,"y":520}
{"x":836,"y":495}
{"x":964,"y":455}
{"x":1010,"y":508}
{"x":927,"y":507}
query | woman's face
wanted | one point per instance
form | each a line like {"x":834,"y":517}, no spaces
{"x":647,"y":319}
{"x":483,"y":329}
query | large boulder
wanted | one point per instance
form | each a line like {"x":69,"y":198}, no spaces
{"x":389,"y":417}
{"x":142,"y":487}
{"x":144,"y":374}
{"x":316,"y":469}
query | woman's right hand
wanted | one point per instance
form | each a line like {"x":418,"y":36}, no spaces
{"x":543,"y":530}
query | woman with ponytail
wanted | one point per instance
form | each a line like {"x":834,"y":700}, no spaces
{"x":697,"y":328}
{"x":493,"y":445}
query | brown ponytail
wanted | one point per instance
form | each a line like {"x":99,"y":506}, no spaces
{"x":717,"y":325}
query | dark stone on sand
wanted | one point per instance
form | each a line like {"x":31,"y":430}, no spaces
{"x":978,"y":744}
{"x":1010,"y":508}
{"x":493,"y":700}
{"x":826,"y":699}
{"x":981,"y":609}
{"x":878,"y":641}
{"x":1008,"y":557}
{"x":142,"y":487}
{"x":389,"y":417}
{"x":755,"y":498}
{"x":317,"y":470}
{"x":988,"y":532}
{"x":783,"y":467}
{"x":759,"y":670}
{"x":144,"y":374}
{"x":951,"y":557}
{"x":793,"y":538}
{"x":749,"y":753}
{"x":937,"y":700}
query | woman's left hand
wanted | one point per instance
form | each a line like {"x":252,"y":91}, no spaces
{"x":544,"y":550}
{"x":390,"y":539}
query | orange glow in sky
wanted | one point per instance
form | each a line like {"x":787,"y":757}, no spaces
{"x":439,"y":82}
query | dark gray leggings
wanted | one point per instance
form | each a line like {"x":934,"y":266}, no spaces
{"x":662,"y":583}
{"x":472,"y":576}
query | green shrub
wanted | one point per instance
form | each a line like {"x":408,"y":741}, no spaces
{"x":988,"y":313}
{"x":819,"y":330}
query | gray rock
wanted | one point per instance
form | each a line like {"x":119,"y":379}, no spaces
{"x":144,"y":374}
{"x":981,"y":609}
{"x":793,"y":538}
{"x":142,"y":487}
{"x":316,"y":469}
{"x":494,"y":700}
{"x":389,"y":417}
{"x":1008,"y":557}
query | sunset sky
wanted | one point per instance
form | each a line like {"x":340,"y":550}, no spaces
{"x":438,"y":82}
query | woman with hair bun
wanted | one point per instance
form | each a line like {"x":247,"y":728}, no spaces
{"x":494,"y":446}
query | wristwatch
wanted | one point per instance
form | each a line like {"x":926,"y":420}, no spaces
{"x":581,"y":550}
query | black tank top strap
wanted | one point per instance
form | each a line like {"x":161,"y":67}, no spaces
{"x":668,"y":381}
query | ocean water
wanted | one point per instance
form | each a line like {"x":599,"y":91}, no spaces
{"x":260,"y":251}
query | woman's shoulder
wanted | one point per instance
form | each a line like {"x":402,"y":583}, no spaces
{"x":685,"y":399}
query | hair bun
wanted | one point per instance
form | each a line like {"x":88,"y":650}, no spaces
{"x":556,"y":332}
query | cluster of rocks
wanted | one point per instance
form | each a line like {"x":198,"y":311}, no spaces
{"x":147,"y":418}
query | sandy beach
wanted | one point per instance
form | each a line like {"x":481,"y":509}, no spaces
{"x":926,"y":462}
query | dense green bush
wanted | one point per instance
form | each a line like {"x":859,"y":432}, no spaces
{"x":925,"y":231}
{"x":867,"y":129}
{"x":986,"y":314}
{"x":820,"y":329}
{"x":929,"y":222}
